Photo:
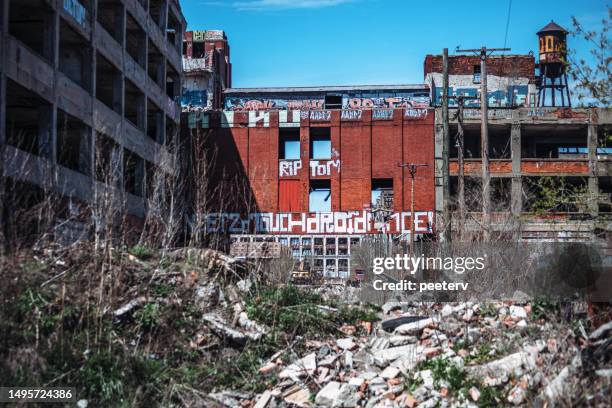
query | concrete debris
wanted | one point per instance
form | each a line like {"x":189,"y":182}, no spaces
{"x":388,"y":364}
{"x":602,"y":331}
{"x":129,"y":306}
{"x":225,"y":331}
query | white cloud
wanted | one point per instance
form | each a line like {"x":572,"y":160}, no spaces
{"x":287,"y":4}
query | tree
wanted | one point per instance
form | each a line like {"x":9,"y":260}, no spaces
{"x":592,"y":78}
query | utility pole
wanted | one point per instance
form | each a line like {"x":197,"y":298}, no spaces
{"x":484,"y":52}
{"x":446,"y":231}
{"x":412,"y":169}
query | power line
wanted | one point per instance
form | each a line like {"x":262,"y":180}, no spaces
{"x":507,"y":24}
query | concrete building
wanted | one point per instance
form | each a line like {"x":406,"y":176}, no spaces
{"x":207,"y":68}
{"x":531,"y":149}
{"x":89,"y":88}
{"x":321,"y":179}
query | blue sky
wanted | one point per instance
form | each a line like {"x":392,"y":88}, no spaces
{"x":348,"y":42}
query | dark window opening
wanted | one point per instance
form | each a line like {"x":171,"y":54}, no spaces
{"x":171,"y":132}
{"x":28,"y":120}
{"x":289,"y":144}
{"x":135,"y":41}
{"x":73,"y":143}
{"x":155,"y":125}
{"x":199,"y":51}
{"x":30,"y":21}
{"x":173,"y":31}
{"x":319,"y":198}
{"x":476,"y":74}
{"x":108,"y":84}
{"x":110,"y":17}
{"x":134,"y":105}
{"x":320,"y":143}
{"x":173,"y":82}
{"x":156,"y":10}
{"x":133,"y":173}
{"x":75,"y":57}
{"x":333,"y":101}
{"x":155,"y":65}
{"x":552,"y":142}
{"x":107,"y":160}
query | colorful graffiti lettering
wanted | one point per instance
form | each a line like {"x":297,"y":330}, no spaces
{"x":513,"y":95}
{"x":391,"y":103}
{"x":347,"y":222}
{"x":289,"y":168}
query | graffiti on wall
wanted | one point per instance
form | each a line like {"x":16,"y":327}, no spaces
{"x":511,"y":96}
{"x":289,"y":168}
{"x":351,"y":114}
{"x":344,"y":222}
{"x":382,"y":114}
{"x":324,"y":167}
{"x":406,"y":100}
{"x":194,"y":98}
{"x":415,"y":114}
{"x":389,"y":103}
{"x":76,"y":10}
{"x":321,"y":116}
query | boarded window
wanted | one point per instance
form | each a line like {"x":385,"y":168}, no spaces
{"x":289,"y":196}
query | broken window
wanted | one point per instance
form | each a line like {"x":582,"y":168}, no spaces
{"x":155,"y":122}
{"x":31,"y":22}
{"x":135,"y":41}
{"x":382,"y":193}
{"x":73,"y":143}
{"x":28,"y":120}
{"x":333,"y":101}
{"x":110,"y":17}
{"x":320,"y":143}
{"x":319,"y":199}
{"x":133,"y":173}
{"x":476,"y":74}
{"x":134,"y":104}
{"x":108,"y":83}
{"x":155,"y":65}
{"x":75,"y":56}
{"x":199,"y":51}
{"x":289,"y":144}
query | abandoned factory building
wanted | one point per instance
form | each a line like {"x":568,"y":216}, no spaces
{"x":89,"y":93}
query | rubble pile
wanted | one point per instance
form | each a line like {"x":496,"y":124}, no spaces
{"x":436,"y":355}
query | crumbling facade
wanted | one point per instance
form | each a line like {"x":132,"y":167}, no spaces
{"x":320,"y":180}
{"x":89,"y":90}
{"x":510,"y":79}
{"x":207,"y":68}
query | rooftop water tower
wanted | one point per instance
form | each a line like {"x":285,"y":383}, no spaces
{"x":553,"y":65}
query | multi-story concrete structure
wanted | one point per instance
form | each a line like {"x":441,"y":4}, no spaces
{"x":207,"y":68}
{"x":89,"y":88}
{"x":320,"y":179}
{"x":571,"y":148}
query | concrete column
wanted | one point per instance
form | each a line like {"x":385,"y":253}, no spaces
{"x":593,"y":180}
{"x":517,"y":185}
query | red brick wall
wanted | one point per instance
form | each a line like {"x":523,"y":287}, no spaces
{"x":509,"y":65}
{"x":367,"y":149}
